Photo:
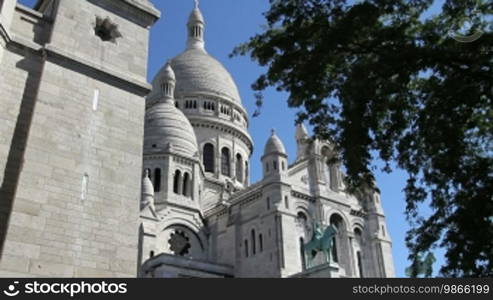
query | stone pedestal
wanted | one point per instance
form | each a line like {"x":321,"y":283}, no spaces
{"x":321,"y":271}
{"x":172,"y":266}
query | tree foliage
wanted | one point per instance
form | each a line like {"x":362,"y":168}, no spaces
{"x":385,"y":77}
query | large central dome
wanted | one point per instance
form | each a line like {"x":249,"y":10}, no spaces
{"x":203,"y":117}
{"x":198,"y":72}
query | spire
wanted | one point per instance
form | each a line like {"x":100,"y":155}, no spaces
{"x":147,"y":191}
{"x":168,"y":84}
{"x":301,"y":141}
{"x":301,"y":132}
{"x":196,"y":29}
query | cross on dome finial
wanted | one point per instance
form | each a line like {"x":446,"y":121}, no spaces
{"x":146,"y":175}
{"x":273,"y":131}
{"x":196,"y":3}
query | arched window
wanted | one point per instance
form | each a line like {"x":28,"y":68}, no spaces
{"x":268,"y":203}
{"x":157,"y":180}
{"x":266,"y":167}
{"x":176,"y":182}
{"x":286,"y":201}
{"x":260,"y":243}
{"x":239,"y":168}
{"x":337,"y":221}
{"x":301,"y":217}
{"x":360,"y":264}
{"x":283,"y":165}
{"x":358,"y":239}
{"x":275,"y":165}
{"x":302,"y":254}
{"x":246,"y":173}
{"x":253,"y":242}
{"x":151,"y":254}
{"x":246,"y":248}
{"x":225,"y":162}
{"x":208,"y":157}
{"x":186,"y":183}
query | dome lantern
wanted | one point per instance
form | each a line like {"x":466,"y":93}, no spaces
{"x":196,"y":29}
{"x":168,"y":82}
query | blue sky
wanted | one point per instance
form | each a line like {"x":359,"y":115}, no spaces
{"x":229,"y":23}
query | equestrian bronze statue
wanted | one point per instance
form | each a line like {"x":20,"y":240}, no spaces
{"x":322,"y":241}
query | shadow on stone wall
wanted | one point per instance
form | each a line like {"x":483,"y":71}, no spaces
{"x":32,"y":64}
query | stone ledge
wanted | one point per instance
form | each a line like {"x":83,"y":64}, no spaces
{"x":29,"y":11}
{"x":142,"y":88}
{"x":25,"y":43}
{"x":138,"y":87}
{"x":144,"y":14}
{"x":4,"y":35}
{"x":150,"y":9}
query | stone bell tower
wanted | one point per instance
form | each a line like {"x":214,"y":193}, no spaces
{"x":73,"y":82}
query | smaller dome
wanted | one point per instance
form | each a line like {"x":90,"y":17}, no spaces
{"x":147,"y":187}
{"x":274,"y":145}
{"x":168,"y":128}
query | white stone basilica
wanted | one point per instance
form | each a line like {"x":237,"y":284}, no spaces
{"x":201,"y":217}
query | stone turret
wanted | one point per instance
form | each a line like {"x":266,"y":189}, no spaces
{"x":275,"y":158}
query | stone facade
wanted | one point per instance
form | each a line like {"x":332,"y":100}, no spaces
{"x":205,"y":213}
{"x":84,"y":139}
{"x":72,"y":106}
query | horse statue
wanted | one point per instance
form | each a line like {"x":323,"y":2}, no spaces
{"x":322,"y":241}
{"x":424,"y":267}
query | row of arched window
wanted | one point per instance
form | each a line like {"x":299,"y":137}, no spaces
{"x":196,"y":31}
{"x":209,"y":106}
{"x":275,"y":166}
{"x":191,"y":104}
{"x":253,"y":243}
{"x":182,"y":184}
{"x":241,"y":168}
{"x":225,"y":110}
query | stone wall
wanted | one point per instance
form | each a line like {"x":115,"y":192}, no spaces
{"x":72,"y":148}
